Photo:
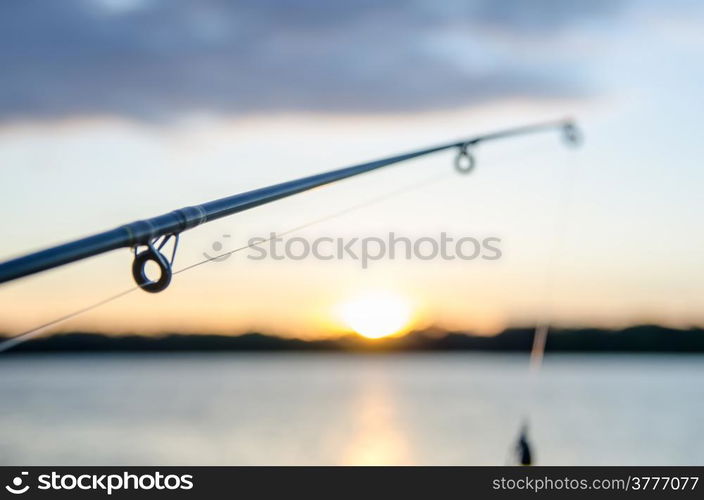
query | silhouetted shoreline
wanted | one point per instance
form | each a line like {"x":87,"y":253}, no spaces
{"x":646,"y":338}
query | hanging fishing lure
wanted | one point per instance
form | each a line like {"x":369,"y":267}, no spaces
{"x":522,"y":451}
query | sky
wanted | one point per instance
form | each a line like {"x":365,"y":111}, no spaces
{"x":118,"y":110}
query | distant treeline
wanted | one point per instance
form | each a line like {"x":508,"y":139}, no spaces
{"x":635,"y":339}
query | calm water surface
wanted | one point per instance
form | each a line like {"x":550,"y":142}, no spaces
{"x":348,"y":409}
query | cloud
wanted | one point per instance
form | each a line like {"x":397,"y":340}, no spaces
{"x":155,"y":59}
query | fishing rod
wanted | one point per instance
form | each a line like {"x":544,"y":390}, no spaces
{"x":155,"y":232}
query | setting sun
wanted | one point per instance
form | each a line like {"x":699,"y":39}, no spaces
{"x":376,"y":314}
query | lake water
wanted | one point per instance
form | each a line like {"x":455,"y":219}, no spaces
{"x":180,"y":409}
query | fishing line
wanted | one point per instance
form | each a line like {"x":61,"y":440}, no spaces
{"x":33,"y":332}
{"x":29,"y":334}
{"x":432,"y":180}
{"x":545,"y":320}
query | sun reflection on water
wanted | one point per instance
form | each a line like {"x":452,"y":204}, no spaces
{"x":378,"y":437}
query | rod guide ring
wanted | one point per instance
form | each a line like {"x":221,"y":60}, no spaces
{"x":464,"y":161}
{"x":153,"y":254}
{"x":571,"y":134}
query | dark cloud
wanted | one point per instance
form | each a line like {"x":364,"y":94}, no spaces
{"x":154,"y":59}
